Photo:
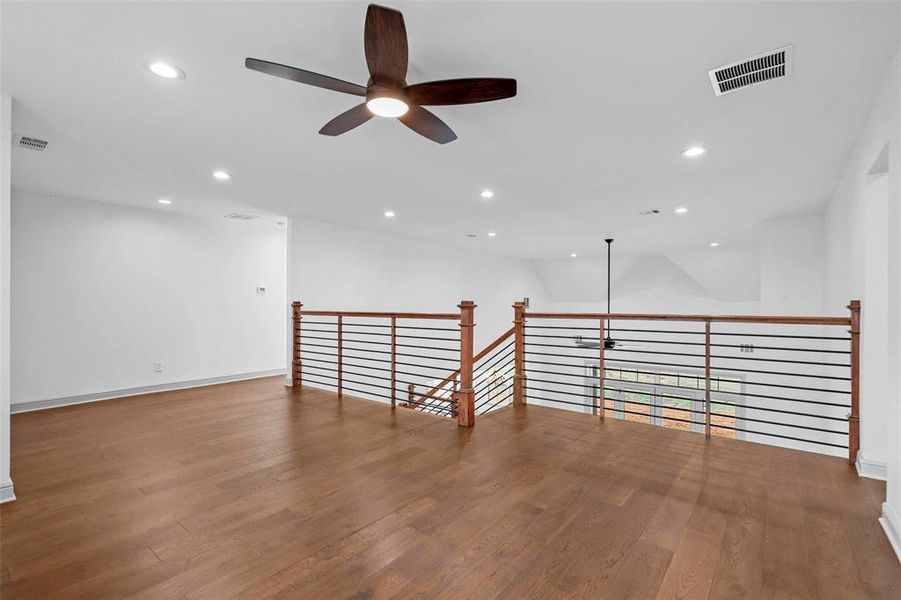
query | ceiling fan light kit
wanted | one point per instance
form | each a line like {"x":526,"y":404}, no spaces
{"x":387,"y":93}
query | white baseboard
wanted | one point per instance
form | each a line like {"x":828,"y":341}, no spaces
{"x":6,"y":491}
{"x":872,"y":469}
{"x":891,"y":523}
{"x":22,"y":407}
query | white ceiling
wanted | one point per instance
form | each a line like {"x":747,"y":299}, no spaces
{"x":609,"y":94}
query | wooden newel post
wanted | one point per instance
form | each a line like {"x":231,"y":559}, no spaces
{"x":340,"y":356}
{"x":707,"y":411}
{"x":393,"y":362}
{"x":602,"y":400}
{"x":854,"y":417}
{"x":466,"y":414}
{"x":519,"y":353}
{"x":296,"y":369}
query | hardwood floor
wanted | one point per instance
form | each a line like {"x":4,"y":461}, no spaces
{"x":251,"y":490}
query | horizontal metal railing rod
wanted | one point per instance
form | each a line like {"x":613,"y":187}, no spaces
{"x":662,"y":407}
{"x":626,"y":383}
{"x":386,"y":377}
{"x":354,"y":349}
{"x":774,"y":320}
{"x":597,"y":340}
{"x":619,"y":339}
{"x":671,"y":418}
{"x":594,"y":350}
{"x":782,"y":361}
{"x":776,"y":435}
{"x":424,"y":376}
{"x":436,"y":348}
{"x":785,"y":374}
{"x":317,"y":337}
{"x":431,"y":338}
{"x":782,"y":348}
{"x":776,"y":410}
{"x":783,"y":399}
{"x":305,"y":329}
{"x":439,"y":358}
{"x":346,"y":339}
{"x":625,"y":361}
{"x":304,"y":343}
{"x":614,"y":329}
{"x":423,"y":328}
{"x":320,"y":353}
{"x":783,"y":336}
{"x":792,"y":425}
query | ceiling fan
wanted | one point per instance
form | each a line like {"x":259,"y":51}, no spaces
{"x":609,"y":342}
{"x":387,"y":93}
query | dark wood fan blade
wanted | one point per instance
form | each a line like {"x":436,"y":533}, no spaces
{"x":385,"y":42}
{"x":347,"y":120}
{"x":308,"y":77}
{"x":461,"y":91}
{"x":428,"y":125}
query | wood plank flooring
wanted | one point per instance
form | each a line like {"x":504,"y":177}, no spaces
{"x":252,"y":490}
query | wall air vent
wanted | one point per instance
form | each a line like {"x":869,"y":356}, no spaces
{"x":30,"y":143}
{"x":752,"y":71}
{"x":241,"y":217}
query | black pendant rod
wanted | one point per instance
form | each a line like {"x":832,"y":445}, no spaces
{"x":609,"y":336}
{"x":609,"y":244}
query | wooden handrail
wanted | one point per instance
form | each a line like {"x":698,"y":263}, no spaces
{"x":382,"y":315}
{"x":487,"y":349}
{"x":778,"y":320}
{"x":482,"y":354}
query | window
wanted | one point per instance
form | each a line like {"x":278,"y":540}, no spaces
{"x":669,"y":398}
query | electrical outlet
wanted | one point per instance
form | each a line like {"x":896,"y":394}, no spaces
{"x":158,"y":366}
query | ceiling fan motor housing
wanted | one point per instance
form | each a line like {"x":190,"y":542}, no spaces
{"x":386,"y":90}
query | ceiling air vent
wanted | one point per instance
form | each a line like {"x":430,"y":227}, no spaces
{"x":30,"y":143}
{"x":752,"y":71}
{"x":241,"y":217}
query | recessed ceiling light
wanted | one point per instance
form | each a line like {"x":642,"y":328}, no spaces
{"x":487,"y":194}
{"x":492,"y":234}
{"x":386,"y":106}
{"x":694,"y":152}
{"x":681,"y":210}
{"x":166,"y":70}
{"x":389,"y":214}
{"x":164,"y":201}
{"x":222,"y":175}
{"x":714,"y":244}
{"x":573,"y":255}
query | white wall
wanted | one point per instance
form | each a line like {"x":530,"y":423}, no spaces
{"x":847,"y":254}
{"x":792,"y":266}
{"x":101,"y":291}
{"x":334,"y":267}
{"x":6,"y":484}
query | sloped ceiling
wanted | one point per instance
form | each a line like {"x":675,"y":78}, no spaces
{"x":732,"y":275}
